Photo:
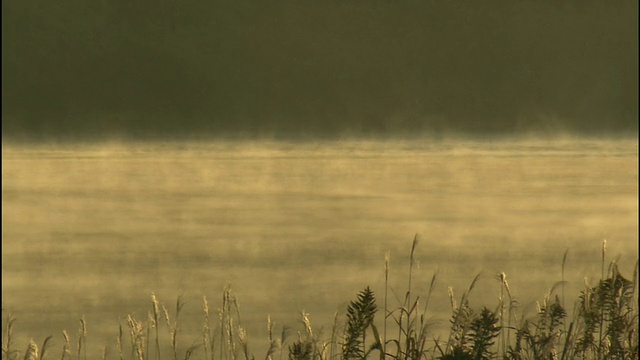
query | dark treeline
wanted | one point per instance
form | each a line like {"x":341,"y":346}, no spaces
{"x":154,"y":67}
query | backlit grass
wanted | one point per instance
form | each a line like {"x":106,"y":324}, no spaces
{"x":602,"y":323}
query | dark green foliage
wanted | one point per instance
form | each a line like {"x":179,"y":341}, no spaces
{"x":604,"y":327}
{"x":360,"y":314}
{"x":541,"y":342}
{"x":457,"y":354}
{"x":610,"y":321}
{"x":474,"y":334}
{"x":301,"y":350}
{"x":484,"y":330}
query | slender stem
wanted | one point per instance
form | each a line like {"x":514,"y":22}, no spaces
{"x":564,"y":261}
{"x":386,"y":309}
{"x":604,"y":253}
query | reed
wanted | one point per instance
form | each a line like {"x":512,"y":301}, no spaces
{"x":172,"y":325}
{"x":208,"y":342}
{"x":275,"y":344}
{"x":82,"y":338}
{"x":66,"y":353}
{"x":154,"y":322}
{"x":7,"y":351}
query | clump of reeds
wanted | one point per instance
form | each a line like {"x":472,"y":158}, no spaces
{"x":410,"y":318}
{"x":31,"y":353}
{"x":604,"y":325}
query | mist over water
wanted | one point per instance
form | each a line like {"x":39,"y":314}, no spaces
{"x":134,"y":157}
{"x":92,"y":229}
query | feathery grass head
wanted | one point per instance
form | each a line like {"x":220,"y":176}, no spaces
{"x":32,"y":351}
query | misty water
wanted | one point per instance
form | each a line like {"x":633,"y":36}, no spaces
{"x":93,"y":229}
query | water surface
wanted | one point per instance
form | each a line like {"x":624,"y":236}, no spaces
{"x":93,"y":229}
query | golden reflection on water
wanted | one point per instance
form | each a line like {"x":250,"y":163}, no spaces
{"x":93,"y":229}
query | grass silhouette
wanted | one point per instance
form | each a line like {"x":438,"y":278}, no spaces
{"x":603,"y":325}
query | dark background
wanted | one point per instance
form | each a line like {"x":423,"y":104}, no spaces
{"x":172,"y":68}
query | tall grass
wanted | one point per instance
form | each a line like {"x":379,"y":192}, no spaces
{"x":603,"y":325}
